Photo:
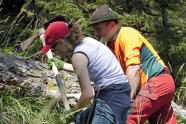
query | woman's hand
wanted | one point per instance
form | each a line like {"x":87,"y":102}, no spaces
{"x":42,"y":37}
{"x":58,"y":63}
{"x":41,"y":33}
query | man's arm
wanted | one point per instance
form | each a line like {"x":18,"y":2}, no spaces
{"x":133,"y":75}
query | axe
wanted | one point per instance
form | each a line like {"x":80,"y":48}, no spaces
{"x":57,"y":76}
{"x":25,"y":44}
{"x":40,"y":33}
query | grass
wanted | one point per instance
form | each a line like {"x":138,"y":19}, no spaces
{"x":26,"y":110}
{"x":30,"y":110}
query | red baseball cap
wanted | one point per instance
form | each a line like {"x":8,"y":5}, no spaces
{"x":54,"y":32}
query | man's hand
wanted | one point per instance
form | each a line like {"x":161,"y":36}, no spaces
{"x":58,"y":63}
{"x":70,"y":115}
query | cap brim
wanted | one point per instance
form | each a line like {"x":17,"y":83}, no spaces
{"x":102,"y":20}
{"x":46,"y":48}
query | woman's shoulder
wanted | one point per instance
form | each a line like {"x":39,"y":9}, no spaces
{"x":90,"y":38}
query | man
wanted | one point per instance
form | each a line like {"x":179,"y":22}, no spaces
{"x":152,"y":86}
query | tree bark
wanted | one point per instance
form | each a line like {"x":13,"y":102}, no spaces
{"x":25,"y":75}
{"x":164,"y":14}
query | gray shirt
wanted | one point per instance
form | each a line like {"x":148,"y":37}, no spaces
{"x":103,"y":67}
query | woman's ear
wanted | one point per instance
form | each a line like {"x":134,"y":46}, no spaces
{"x":62,"y":41}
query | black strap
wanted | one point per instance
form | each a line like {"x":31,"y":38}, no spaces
{"x":163,"y":72}
{"x":70,"y":25}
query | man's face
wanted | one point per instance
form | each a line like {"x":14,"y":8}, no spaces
{"x":101,"y":29}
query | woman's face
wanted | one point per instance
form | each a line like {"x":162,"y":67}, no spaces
{"x":60,"y":47}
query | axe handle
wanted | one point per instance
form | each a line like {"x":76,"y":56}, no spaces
{"x":58,"y":79}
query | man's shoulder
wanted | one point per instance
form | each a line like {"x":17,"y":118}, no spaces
{"x":128,"y":32}
{"x":127,"y":29}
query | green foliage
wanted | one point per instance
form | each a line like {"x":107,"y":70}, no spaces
{"x":146,"y":122}
{"x":180,"y":79}
{"x":21,"y":110}
{"x":66,"y":8}
{"x":180,"y":120}
{"x":12,"y":33}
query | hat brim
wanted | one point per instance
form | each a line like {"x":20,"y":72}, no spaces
{"x":46,"y":48}
{"x":102,"y":20}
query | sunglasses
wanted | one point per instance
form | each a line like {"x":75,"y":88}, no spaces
{"x":54,"y":44}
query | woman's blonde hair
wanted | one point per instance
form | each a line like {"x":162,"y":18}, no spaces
{"x":75,"y":35}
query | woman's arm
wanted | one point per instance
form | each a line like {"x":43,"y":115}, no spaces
{"x":68,"y":67}
{"x":80,"y":62}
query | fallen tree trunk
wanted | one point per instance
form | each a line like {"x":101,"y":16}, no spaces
{"x":29,"y":77}
{"x":23,"y":74}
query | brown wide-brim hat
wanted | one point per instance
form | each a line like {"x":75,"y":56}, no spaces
{"x":103,"y":13}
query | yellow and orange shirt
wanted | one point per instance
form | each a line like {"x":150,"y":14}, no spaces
{"x":130,"y":47}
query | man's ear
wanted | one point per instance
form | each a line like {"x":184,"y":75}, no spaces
{"x":112,"y":24}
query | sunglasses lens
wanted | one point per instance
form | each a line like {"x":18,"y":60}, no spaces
{"x":54,"y":45}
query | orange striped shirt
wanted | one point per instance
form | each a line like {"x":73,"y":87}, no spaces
{"x":130,"y":47}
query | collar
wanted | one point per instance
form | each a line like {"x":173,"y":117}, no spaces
{"x":111,"y":44}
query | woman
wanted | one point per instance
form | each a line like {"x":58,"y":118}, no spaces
{"x":91,"y":61}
